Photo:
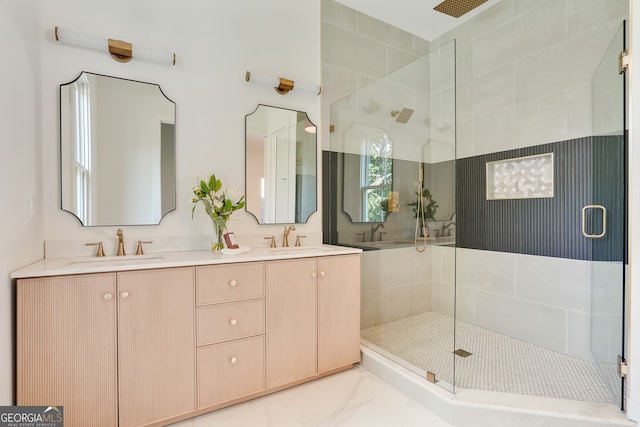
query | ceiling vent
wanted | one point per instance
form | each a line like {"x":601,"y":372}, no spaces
{"x":457,"y":8}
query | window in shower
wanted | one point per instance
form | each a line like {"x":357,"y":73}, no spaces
{"x":376,"y":175}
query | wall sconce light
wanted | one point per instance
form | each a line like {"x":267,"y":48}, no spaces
{"x":119,"y":50}
{"x":282,"y":85}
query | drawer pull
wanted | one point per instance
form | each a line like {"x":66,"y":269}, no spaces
{"x":314,"y":274}
{"x":322,"y":273}
{"x":124,"y":294}
{"x":233,"y":360}
{"x":108,"y":296}
{"x":233,"y":283}
{"x":233,"y":322}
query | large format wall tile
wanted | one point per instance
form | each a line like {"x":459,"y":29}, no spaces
{"x":579,"y":335}
{"x":353,"y":51}
{"x":584,"y":15}
{"x":388,"y":34}
{"x":517,"y":38}
{"x":339,"y":15}
{"x":554,"y":281}
{"x":490,"y":92}
{"x":487,"y":271}
{"x":529,"y":321}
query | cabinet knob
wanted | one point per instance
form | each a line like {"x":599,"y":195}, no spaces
{"x":233,"y":360}
{"x":124,"y":294}
{"x":233,"y":283}
{"x":314,"y":274}
{"x":107,"y":296}
{"x":233,"y":322}
{"x":322,"y":273}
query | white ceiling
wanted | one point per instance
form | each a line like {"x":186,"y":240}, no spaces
{"x":414,"y":16}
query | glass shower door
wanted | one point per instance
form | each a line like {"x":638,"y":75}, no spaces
{"x":386,"y":138}
{"x":604,"y":218}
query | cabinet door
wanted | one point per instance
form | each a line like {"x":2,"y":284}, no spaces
{"x":291,"y":320}
{"x":66,"y":347}
{"x":338,"y":311}
{"x":156,"y":344}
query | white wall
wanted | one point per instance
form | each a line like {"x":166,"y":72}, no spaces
{"x":20,"y":171}
{"x":215,"y":42}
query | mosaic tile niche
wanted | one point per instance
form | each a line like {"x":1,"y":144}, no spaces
{"x":520,"y":178}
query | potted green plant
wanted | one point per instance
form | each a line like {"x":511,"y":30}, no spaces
{"x":429,"y":205}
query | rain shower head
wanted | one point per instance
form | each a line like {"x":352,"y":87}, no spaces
{"x":457,"y":8}
{"x":402,"y":116}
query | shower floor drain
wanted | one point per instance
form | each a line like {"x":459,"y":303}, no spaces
{"x":462,"y":353}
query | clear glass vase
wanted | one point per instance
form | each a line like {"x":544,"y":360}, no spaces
{"x":217,"y":242}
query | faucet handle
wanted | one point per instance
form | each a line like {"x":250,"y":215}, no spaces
{"x":298,"y":237}
{"x":273,"y":241}
{"x":139,"y":250}
{"x":100,"y":251}
{"x":361,"y":234}
{"x":380,"y":235}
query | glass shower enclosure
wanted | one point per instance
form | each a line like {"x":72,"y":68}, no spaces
{"x":392,"y":193}
{"x":430,"y":297}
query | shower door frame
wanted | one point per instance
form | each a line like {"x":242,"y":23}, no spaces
{"x":602,"y":229}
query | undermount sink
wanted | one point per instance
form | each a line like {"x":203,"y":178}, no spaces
{"x":297,"y":248}
{"x":115,"y":258}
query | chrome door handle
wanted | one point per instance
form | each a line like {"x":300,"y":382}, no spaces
{"x":584,"y":221}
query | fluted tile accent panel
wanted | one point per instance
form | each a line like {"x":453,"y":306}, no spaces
{"x":156,"y":351}
{"x":609,"y":176}
{"x":546,"y":226}
{"x":66,"y":347}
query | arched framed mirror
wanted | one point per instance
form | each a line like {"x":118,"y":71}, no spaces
{"x":281,"y":166}
{"x":117,"y":151}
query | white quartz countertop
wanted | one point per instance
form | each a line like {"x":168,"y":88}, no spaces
{"x":84,"y":265}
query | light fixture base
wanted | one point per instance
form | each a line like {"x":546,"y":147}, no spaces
{"x":120,"y":50}
{"x":285,"y":86}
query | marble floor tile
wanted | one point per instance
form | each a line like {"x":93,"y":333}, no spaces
{"x":354,"y":398}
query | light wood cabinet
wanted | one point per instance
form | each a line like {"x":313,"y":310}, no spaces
{"x":338,"y":311}
{"x":313,"y":316}
{"x":156,"y":345}
{"x":66,"y":347}
{"x":231,"y":332}
{"x":107,"y":344}
{"x":292,"y":348}
{"x":151,"y":347}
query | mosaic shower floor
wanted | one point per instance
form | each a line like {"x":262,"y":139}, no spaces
{"x":497,"y":362}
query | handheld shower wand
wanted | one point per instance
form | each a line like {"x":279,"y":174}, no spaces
{"x":420,"y":223}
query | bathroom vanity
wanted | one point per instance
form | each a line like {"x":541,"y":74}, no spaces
{"x":157,"y":339}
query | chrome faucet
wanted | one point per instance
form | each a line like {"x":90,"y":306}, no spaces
{"x":285,"y":235}
{"x":374,"y":228}
{"x":120,"y":235}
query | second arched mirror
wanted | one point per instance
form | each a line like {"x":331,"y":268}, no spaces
{"x":281,"y":166}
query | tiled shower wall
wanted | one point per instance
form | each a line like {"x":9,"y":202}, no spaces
{"x":516,"y":86}
{"x":541,"y":300}
{"x":521,"y":84}
{"x":358,"y":50}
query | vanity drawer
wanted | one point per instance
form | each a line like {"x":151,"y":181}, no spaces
{"x":230,"y":370}
{"x":224,"y":322}
{"x":225,"y":283}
